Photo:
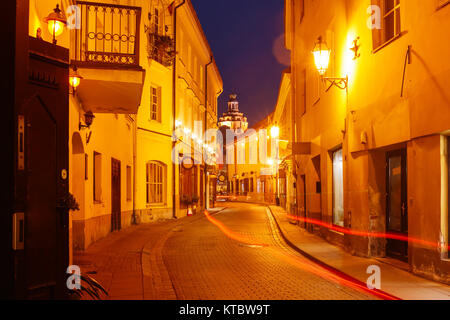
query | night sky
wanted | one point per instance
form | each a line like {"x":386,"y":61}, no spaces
{"x":247,"y":39}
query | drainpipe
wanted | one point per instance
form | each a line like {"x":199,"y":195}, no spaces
{"x":205,"y":178}
{"x":134,"y":168}
{"x":174,"y":111}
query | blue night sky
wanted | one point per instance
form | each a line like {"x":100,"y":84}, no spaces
{"x":243,"y":36}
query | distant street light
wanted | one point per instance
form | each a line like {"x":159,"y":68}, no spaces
{"x":275,"y":132}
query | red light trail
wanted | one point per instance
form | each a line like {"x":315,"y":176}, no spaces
{"x":314,"y":268}
{"x":383,"y":235}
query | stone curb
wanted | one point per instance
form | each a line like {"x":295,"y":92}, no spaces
{"x":378,"y":293}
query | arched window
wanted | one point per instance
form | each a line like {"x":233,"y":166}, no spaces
{"x":156,"y":178}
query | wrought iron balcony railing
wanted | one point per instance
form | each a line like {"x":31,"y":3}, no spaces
{"x":108,"y":35}
{"x":161,"y":47}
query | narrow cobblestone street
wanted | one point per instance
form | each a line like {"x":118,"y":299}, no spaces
{"x":194,"y":259}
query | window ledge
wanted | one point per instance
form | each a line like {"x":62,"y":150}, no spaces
{"x":401,"y":34}
{"x":157,"y":206}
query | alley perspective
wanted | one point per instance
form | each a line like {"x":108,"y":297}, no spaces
{"x":226,"y":150}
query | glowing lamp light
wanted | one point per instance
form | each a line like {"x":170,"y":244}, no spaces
{"x":321,"y":56}
{"x":199,"y":142}
{"x":56,"y":23}
{"x":275,"y":132}
{"x":270,"y":162}
{"x":178,"y":123}
{"x":74,"y":79}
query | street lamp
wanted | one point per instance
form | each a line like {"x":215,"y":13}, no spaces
{"x":74,"y":79}
{"x":275,"y":132}
{"x":322,"y":60}
{"x":321,"y":56}
{"x":56,"y":23}
{"x":88,"y":120}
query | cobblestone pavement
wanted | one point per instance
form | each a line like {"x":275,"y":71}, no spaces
{"x":203,"y":262}
{"x":195,"y":259}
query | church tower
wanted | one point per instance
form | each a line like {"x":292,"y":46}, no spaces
{"x":233,"y":119}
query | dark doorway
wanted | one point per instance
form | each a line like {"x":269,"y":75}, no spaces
{"x":396,"y":203}
{"x":115,"y":196}
{"x":41,"y":227}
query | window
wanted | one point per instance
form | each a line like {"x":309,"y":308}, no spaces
{"x":97,"y":177}
{"x":338,"y":189}
{"x":201,"y":78}
{"x":129,"y":187}
{"x":155,"y":104}
{"x":156,"y":21}
{"x":302,"y":10}
{"x":442,"y":3}
{"x":156,"y":180}
{"x":86,"y":166}
{"x":390,"y":22}
{"x":303,"y":107}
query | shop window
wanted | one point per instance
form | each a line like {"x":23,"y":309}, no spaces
{"x":338,"y":188}
{"x":156,"y":180}
{"x":97,"y":177}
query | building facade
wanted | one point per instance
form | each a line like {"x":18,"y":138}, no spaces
{"x":374,"y":128}
{"x":145,"y":70}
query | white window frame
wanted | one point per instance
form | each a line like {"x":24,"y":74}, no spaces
{"x":393,"y":11}
{"x":156,"y":182}
{"x":155,"y":103}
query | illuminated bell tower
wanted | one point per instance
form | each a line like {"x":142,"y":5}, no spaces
{"x":233,"y":119}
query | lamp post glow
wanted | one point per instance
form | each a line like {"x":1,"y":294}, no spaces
{"x":321,"y":56}
{"x":74,"y":79}
{"x":275,"y":132}
{"x":322,"y":60}
{"x":56,"y":23}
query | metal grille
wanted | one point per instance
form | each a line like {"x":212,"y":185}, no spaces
{"x":108,"y":34}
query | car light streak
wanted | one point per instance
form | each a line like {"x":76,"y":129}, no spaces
{"x":383,"y":235}
{"x":230,"y":234}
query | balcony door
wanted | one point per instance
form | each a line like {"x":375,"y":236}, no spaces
{"x":397,"y":206}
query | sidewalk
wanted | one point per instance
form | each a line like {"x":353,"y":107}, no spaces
{"x":129,"y":264}
{"x":395,"y":281}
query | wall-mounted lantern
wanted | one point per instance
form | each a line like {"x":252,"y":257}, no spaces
{"x":88,"y":120}
{"x":74,"y":79}
{"x":322,"y":55}
{"x":56,"y":23}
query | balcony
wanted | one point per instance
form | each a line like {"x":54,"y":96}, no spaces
{"x":106,"y":52}
{"x":161,"y":48}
